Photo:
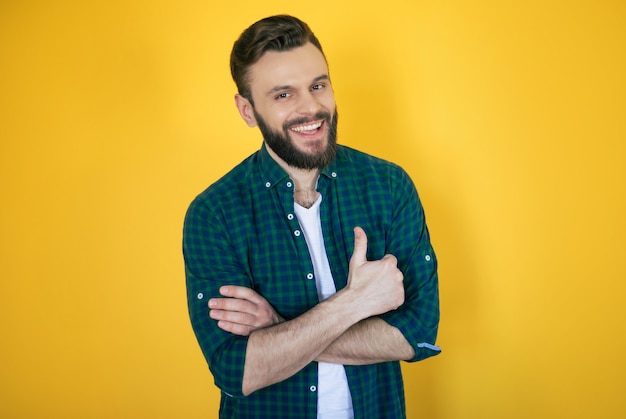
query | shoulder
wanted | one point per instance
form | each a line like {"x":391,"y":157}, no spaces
{"x":360,"y":165}
{"x":229,"y":189}
{"x":350,"y":155}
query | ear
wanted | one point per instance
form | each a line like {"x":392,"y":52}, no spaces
{"x":245,"y":110}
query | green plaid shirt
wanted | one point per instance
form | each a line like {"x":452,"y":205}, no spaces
{"x":243,"y":230}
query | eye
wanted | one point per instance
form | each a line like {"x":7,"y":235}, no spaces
{"x":318,"y":86}
{"x":280,"y":96}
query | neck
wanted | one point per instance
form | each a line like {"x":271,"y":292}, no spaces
{"x":304,"y":180}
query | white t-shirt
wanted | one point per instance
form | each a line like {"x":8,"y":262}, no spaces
{"x":333,"y":394}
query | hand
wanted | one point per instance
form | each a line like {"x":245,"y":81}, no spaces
{"x":378,"y":283}
{"x":243,"y":312}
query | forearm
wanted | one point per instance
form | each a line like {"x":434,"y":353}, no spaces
{"x":278,"y":352}
{"x":369,"y":341}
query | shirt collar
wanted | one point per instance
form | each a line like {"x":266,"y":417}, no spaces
{"x":272,"y":174}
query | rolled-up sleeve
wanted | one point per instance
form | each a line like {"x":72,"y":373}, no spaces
{"x":211,"y":262}
{"x":409,"y":240}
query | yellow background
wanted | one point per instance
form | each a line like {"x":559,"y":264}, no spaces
{"x":509,"y":116}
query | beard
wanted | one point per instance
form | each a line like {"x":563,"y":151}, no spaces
{"x":283,"y":146}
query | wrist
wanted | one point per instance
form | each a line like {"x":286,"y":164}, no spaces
{"x":345,"y":304}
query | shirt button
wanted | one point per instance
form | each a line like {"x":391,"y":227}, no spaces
{"x":313,"y":388}
{"x":297,"y":233}
{"x":427,"y":257}
{"x":289,"y":184}
{"x":309,"y":276}
{"x":200,"y":296}
{"x":290,"y":217}
{"x":268,"y":184}
{"x":334,"y":174}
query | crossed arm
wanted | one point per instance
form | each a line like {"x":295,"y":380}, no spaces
{"x":342,"y":329}
{"x":368,"y":341}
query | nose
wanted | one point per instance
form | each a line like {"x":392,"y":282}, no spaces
{"x":308,"y":104}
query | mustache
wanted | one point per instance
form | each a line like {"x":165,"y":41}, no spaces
{"x":304,"y":120}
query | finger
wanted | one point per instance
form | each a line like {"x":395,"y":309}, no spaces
{"x":232,"y":304}
{"x":360,"y":247}
{"x":240,"y":292}
{"x":391,"y":259}
{"x":233,"y":317}
{"x":234,"y":328}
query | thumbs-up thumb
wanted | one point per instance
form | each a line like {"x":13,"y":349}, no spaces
{"x":359,"y":256}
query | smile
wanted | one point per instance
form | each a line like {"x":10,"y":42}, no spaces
{"x":308,"y":128}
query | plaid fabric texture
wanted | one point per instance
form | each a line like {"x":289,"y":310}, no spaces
{"x":243,"y":230}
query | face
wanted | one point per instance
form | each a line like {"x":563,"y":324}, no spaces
{"x":281,"y":143}
{"x":294,"y":106}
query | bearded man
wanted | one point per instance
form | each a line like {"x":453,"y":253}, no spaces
{"x":310,"y":272}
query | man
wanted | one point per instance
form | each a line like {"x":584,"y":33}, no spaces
{"x":309,"y":267}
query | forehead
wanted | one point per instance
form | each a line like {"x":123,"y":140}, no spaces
{"x":297,"y":67}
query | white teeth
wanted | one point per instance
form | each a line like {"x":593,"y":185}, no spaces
{"x":310,"y":127}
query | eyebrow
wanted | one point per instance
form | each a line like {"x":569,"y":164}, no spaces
{"x":277,"y":89}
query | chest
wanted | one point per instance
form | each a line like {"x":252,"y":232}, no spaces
{"x":278,"y":259}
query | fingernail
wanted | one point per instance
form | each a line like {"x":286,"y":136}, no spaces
{"x":212,"y":303}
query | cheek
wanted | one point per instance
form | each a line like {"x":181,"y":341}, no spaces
{"x":276,"y":116}
{"x":329,"y":103}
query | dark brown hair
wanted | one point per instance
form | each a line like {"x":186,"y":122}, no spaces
{"x":275,"y":33}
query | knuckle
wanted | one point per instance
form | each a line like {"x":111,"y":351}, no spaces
{"x":390,"y":258}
